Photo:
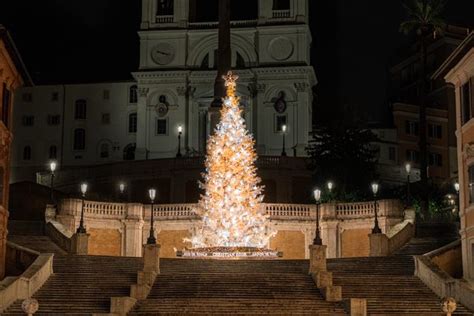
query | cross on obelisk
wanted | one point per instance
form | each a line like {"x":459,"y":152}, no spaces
{"x":223,"y":62}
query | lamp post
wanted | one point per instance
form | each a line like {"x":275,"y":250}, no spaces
{"x":408,"y":171}
{"x":330,"y":185}
{"x":81,"y":229}
{"x":456,"y":188}
{"x":122,"y":190}
{"x":317,"y":238}
{"x":283,"y":132}
{"x":180,"y":131}
{"x":151,"y":238}
{"x":52,"y":168}
{"x":376,"y":229}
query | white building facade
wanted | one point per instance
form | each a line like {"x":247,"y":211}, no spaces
{"x":87,"y":124}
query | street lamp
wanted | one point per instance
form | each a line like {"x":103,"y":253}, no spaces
{"x":317,"y":197}
{"x":151,"y":238}
{"x":408,"y":171}
{"x":376,"y":229}
{"x":330,"y":186}
{"x":180,"y":131}
{"x":456,"y":188}
{"x":81,"y":229}
{"x":52,"y":168}
{"x":283,"y":132}
{"x":122,"y":190}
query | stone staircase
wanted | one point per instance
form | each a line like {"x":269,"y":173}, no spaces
{"x":388,"y":284}
{"x":238,"y":287}
{"x":83,"y":285}
{"x":41,"y":244}
{"x":422,"y":245}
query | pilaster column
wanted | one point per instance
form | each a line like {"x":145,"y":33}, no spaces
{"x":330,"y":236}
{"x":133,"y":230}
{"x":142,"y":124}
{"x":257,"y":90}
{"x":303,"y":117}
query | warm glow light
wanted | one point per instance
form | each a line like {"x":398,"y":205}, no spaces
{"x":330,"y":185}
{"x":375,"y":188}
{"x":83,"y":188}
{"x":152,"y":194}
{"x":122,"y":187}
{"x":456,"y":186}
{"x":283,"y":128}
{"x":180,"y":129}
{"x":317,"y":195}
{"x":408,"y":168}
{"x":230,"y":206}
{"x":52,"y":166}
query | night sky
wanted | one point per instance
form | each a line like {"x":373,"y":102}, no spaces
{"x":354,"y":44}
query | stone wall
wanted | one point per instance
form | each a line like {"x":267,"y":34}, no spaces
{"x":355,"y":243}
{"x":291,"y":243}
{"x":122,"y":228}
{"x":105,"y":242}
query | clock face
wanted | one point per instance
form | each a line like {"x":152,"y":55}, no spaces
{"x":163,"y":53}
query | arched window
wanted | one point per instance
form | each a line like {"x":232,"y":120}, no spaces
{"x":165,"y":7}
{"x":104,"y":150}
{"x":80,"y":110}
{"x":27,"y":153}
{"x":133,"y":94}
{"x":129,"y":152}
{"x":53,"y":152}
{"x":79,"y":139}
{"x":132,"y":123}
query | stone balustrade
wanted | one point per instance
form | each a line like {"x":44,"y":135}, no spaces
{"x":275,"y":211}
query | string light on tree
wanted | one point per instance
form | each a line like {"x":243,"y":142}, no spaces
{"x":229,"y":207}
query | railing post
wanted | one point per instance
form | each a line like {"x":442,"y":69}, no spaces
{"x":133,"y":230}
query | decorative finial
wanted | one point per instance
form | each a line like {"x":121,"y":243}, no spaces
{"x":230,"y":82}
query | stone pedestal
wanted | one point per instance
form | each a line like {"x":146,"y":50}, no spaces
{"x":317,"y":258}
{"x":80,"y":244}
{"x":323,"y":279}
{"x":139,"y":291}
{"x":379,"y":245}
{"x":357,"y":306}
{"x":121,"y":305}
{"x":332,"y":293}
{"x":151,"y":258}
{"x":50,"y":212}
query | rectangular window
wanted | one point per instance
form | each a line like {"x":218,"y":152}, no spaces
{"x":132,"y":123}
{"x":28,"y":120}
{"x":392,"y":154}
{"x":54,"y":96}
{"x":165,"y":7}
{"x":54,"y":120}
{"x":466,"y":102}
{"x":106,"y":94}
{"x":435,"y":159}
{"x":435,"y":131}
{"x":412,"y":155}
{"x":280,"y":120}
{"x":412,"y":128}
{"x":161,"y":127}
{"x":27,"y":97}
{"x":105,"y":118}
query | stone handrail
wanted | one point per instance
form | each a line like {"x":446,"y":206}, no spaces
{"x":288,"y":211}
{"x":59,"y":235}
{"x":25,"y":285}
{"x":395,"y":238}
{"x":93,"y":209}
{"x":278,"y":14}
{"x":441,"y":282}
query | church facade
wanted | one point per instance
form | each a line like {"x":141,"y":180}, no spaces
{"x":173,"y":88}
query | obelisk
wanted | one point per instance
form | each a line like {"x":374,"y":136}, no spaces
{"x":223,"y":62}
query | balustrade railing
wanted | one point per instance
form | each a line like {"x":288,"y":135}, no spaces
{"x":164,"y":18}
{"x":279,"y":14}
{"x":275,"y":211}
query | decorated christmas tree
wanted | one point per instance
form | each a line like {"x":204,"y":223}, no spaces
{"x":229,"y":207}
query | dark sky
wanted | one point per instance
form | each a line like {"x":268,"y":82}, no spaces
{"x":354,"y":44}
